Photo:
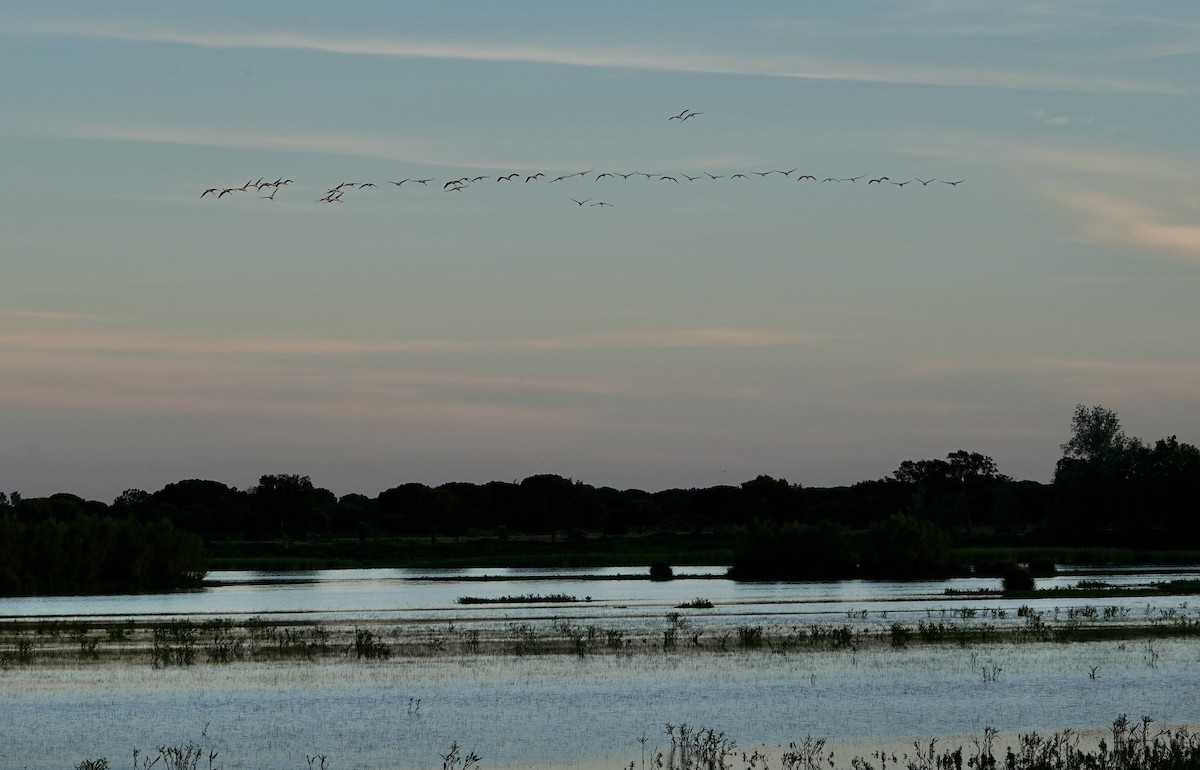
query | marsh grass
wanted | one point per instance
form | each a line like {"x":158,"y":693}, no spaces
{"x":1130,"y":746}
{"x":226,"y":641}
{"x":523,"y":599}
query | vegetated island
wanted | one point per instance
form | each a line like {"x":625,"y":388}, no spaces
{"x":931,"y":518}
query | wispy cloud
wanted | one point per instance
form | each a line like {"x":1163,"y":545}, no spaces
{"x":1106,"y":219}
{"x":97,"y":340}
{"x":674,"y":338}
{"x":412,"y":150}
{"x":1055,"y":120}
{"x":636,"y":57}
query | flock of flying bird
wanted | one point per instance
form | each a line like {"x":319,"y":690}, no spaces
{"x":335,"y":194}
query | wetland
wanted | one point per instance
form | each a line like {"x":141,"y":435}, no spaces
{"x":386,"y":668}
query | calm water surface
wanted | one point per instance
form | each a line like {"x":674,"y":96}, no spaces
{"x":563,"y":710}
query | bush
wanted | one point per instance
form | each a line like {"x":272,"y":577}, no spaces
{"x":1017,"y":578}
{"x":661,"y":571}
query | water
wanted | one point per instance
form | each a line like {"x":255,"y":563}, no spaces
{"x":563,"y":710}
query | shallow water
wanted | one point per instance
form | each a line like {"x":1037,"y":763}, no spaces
{"x":403,"y":594}
{"x":563,"y":710}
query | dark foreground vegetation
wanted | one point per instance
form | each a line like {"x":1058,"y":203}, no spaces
{"x":1112,"y":497}
{"x":1131,"y":745}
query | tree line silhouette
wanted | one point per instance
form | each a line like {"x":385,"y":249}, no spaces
{"x":1108,"y":490}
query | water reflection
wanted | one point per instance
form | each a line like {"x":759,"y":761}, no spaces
{"x":408,"y":594}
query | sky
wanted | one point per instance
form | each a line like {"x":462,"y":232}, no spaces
{"x":691,"y":332}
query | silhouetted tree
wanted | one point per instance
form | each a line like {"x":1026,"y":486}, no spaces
{"x":904,"y":547}
{"x":955,"y":492}
{"x":792,"y":551}
{"x":294,"y":503}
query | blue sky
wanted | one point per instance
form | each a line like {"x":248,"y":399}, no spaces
{"x":691,"y":333}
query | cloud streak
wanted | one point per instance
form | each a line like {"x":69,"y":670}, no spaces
{"x":1110,"y":220}
{"x":629,"y":57}
{"x":95,"y":340}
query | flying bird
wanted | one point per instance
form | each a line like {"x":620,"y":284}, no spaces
{"x":925,"y":182}
{"x":209,"y":190}
{"x":680,"y":116}
{"x":585,"y":200}
{"x":880,"y":180}
{"x":853,"y":178}
{"x":954,"y":184}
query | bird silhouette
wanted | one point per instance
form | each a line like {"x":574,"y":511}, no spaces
{"x":580,"y":203}
{"x":880,"y":180}
{"x":954,"y":184}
